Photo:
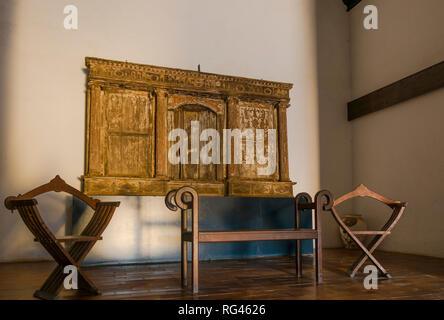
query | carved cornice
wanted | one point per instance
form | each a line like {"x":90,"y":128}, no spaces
{"x":126,"y":72}
{"x":177,"y":100}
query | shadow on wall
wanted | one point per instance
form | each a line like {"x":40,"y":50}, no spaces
{"x":333,"y":93}
{"x":141,"y":230}
{"x":6,"y":14}
{"x":17,"y":242}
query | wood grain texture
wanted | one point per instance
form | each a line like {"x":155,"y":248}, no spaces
{"x":160,"y":138}
{"x":257,"y":235}
{"x":415,"y":278}
{"x":283,"y":142}
{"x":131,"y":108}
{"x":417,"y":84}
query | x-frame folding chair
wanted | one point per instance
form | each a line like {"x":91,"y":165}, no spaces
{"x":82,"y":244}
{"x":398,"y":208}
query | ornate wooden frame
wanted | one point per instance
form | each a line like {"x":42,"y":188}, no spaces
{"x":131,"y":108}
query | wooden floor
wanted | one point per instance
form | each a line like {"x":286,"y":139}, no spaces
{"x":414,"y":277}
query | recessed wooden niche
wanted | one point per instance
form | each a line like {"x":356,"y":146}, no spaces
{"x":131,"y":108}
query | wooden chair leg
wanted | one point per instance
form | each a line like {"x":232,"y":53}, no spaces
{"x":377,"y":240}
{"x":184,"y":249}
{"x":186,"y":198}
{"x":184,"y":264}
{"x":298,"y":259}
{"x":52,"y":285}
{"x":44,"y":295}
{"x":300,"y":198}
{"x":352,"y":272}
{"x":318,"y":260}
{"x":195,"y":262}
{"x":85,"y":283}
{"x":320,"y":206}
{"x":367,"y":253}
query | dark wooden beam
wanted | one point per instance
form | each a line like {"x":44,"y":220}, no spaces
{"x":410,"y":87}
{"x":350,"y":4}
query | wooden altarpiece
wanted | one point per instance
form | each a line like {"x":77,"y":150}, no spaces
{"x":131,"y":108}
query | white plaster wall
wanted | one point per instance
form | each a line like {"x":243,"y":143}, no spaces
{"x":42,"y":98}
{"x":399,"y":151}
{"x":334,"y":92}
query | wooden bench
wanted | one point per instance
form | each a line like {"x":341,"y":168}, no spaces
{"x":187,"y":200}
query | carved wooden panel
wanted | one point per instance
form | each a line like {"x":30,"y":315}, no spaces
{"x":131,"y":109}
{"x":209,"y":113}
{"x":255,"y":115}
{"x":121,"y":133}
{"x":130,"y":134}
{"x":181,"y":118}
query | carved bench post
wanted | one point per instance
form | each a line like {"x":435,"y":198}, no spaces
{"x":186,"y":198}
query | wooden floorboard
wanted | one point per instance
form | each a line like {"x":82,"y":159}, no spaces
{"x":414,"y":277}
